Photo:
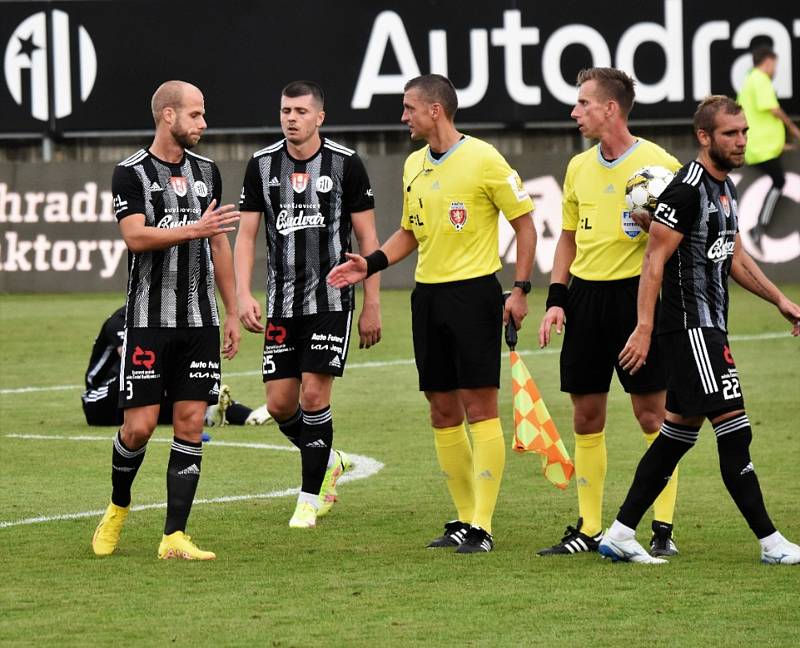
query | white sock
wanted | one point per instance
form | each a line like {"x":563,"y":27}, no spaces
{"x":618,"y":531}
{"x":771,"y":541}
{"x":311,"y":498}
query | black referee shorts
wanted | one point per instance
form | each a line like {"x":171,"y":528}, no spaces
{"x":457,"y":328}
{"x":702,"y":378}
{"x":601,"y":315}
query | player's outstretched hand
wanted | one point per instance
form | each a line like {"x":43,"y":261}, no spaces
{"x":230,"y":338}
{"x":634,"y":354}
{"x":216,"y":220}
{"x":791,"y":312}
{"x":250,"y":314}
{"x":348,"y":273}
{"x":553,"y":317}
{"x":642,"y":217}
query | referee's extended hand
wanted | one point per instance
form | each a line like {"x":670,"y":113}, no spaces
{"x":553,"y":317}
{"x":634,"y":354}
{"x":348,"y":273}
{"x":216,"y":220}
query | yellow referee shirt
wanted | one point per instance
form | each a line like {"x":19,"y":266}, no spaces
{"x":451,"y":205}
{"x":609,"y":244}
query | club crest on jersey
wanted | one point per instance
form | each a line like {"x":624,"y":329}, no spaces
{"x":200,"y":188}
{"x":300,"y":181}
{"x":179,"y":185}
{"x":629,"y":226}
{"x":458,"y":215}
{"x":726,"y":205}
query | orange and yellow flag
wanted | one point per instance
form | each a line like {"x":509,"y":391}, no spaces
{"x":534,"y":430}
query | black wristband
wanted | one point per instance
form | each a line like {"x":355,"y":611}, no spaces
{"x":556,"y":296}
{"x":376,"y":262}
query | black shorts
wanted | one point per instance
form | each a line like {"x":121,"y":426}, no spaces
{"x":701,"y":375}
{"x":456,"y":328}
{"x":179,"y":364}
{"x":601,"y":315}
{"x":306,"y":344}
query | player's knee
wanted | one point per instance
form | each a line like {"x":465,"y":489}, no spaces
{"x":589,"y":422}
{"x":314,"y":400}
{"x":188,"y":423}
{"x":135,"y":434}
{"x":281,"y":410}
{"x":650,"y":420}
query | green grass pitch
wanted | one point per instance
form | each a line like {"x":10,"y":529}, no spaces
{"x":363,"y":577}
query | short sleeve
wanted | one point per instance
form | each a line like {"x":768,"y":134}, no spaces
{"x":765,"y":97}
{"x":504,"y":186}
{"x":356,"y":188}
{"x":252,"y":196}
{"x":127,"y":191}
{"x":569,"y":201}
{"x":405,"y":221}
{"x":677,"y":206}
{"x":217,"y":194}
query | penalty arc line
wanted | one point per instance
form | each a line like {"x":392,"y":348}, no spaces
{"x":363,"y":467}
{"x":369,"y":365}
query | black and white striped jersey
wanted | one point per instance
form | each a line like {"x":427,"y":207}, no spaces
{"x":695,"y":288}
{"x":307,"y":205}
{"x":174,"y":287}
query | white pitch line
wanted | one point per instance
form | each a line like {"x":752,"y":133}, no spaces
{"x":363,"y":467}
{"x":369,"y":365}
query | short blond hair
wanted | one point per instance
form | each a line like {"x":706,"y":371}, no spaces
{"x":168,"y":95}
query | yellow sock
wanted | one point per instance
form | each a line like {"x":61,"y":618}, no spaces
{"x":590,"y":473}
{"x":455,"y":460}
{"x":489,"y":462}
{"x":664,"y":506}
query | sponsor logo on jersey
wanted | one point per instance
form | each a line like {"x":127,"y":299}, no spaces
{"x":458,"y":215}
{"x":119,"y":204}
{"x":629,"y":226}
{"x":711,"y":208}
{"x":287,"y":224}
{"x":179,"y":185}
{"x":143,"y":357}
{"x":369,"y":193}
{"x":721,"y":249}
{"x":155,"y":187}
{"x":324,"y":184}
{"x":335,"y":362}
{"x":200,"y":188}
{"x":666,"y":215}
{"x":726,"y":205}
{"x":515,"y":182}
{"x":275,"y":333}
{"x":300,"y":181}
{"x":274,"y":182}
{"x":609,"y":189}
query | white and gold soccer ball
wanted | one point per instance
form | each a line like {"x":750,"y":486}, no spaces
{"x":645,"y":186}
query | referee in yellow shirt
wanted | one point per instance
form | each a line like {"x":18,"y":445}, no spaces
{"x":454,"y":189}
{"x":601,"y":246}
{"x":766,"y":138}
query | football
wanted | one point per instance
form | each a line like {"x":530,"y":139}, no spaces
{"x":645,"y":186}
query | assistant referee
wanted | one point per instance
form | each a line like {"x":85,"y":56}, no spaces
{"x":454,"y":189}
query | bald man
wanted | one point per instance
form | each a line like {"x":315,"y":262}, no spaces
{"x":167,"y":202}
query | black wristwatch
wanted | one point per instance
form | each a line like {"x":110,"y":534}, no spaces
{"x":524,"y":286}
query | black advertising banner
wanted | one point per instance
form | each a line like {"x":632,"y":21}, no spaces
{"x":58,"y":232}
{"x":91,"y":66}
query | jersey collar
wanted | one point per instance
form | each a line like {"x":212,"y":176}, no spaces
{"x":620,"y":159}
{"x":450,"y":151}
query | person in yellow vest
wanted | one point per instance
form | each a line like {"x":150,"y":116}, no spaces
{"x":601,"y":247}
{"x":766,"y":138}
{"x":454,"y":189}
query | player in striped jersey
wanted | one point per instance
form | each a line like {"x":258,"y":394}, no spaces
{"x":312,"y":193}
{"x":694,"y":247}
{"x":167,"y":202}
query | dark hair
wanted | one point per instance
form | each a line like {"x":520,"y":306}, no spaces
{"x":436,"y":88}
{"x":303,"y":88}
{"x":705,"y":117}
{"x":762,"y":53}
{"x":613,"y":84}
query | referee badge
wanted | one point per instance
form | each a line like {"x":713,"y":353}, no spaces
{"x":630,"y":226}
{"x":458,"y":215}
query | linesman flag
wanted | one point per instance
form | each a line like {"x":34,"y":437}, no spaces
{"x":534,"y":430}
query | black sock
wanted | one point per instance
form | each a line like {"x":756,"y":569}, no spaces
{"x":655,"y":469}
{"x":292,"y":427}
{"x":237,"y":413}
{"x":739,"y":475}
{"x":183,"y":473}
{"x":315,"y":448}
{"x":124,"y":466}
